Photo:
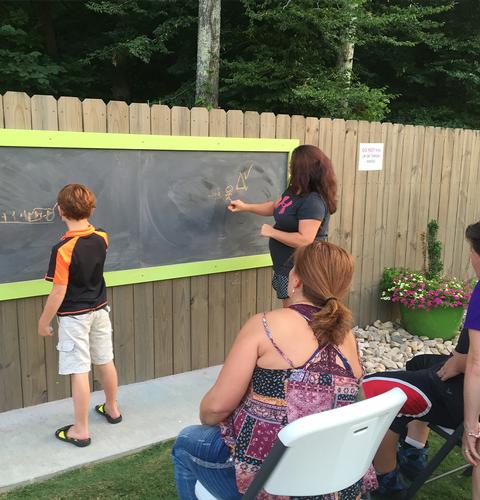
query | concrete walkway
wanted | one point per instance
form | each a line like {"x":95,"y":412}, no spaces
{"x":153,"y":411}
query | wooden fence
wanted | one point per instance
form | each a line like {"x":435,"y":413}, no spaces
{"x":178,"y":325}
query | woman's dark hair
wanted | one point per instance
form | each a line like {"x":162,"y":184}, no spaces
{"x":311,"y":171}
{"x":473,"y":236}
{"x":326,"y":272}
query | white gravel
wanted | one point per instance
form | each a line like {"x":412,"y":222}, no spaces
{"x":387,"y":346}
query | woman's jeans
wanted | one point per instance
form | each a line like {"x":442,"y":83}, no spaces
{"x":199,"y":453}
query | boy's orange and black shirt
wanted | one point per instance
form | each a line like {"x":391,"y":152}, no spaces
{"x":77,"y":261}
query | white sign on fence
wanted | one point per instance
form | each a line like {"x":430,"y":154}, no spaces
{"x":370,"y":156}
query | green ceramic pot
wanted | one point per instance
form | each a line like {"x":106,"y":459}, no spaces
{"x":440,"y":322}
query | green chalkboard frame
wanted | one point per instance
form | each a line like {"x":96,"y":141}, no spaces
{"x":92,"y":140}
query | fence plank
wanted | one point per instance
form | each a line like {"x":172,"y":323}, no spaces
{"x":143,"y":327}
{"x":267,"y":125}
{"x":298,"y":127}
{"x":249,"y":294}
{"x":160,"y":117}
{"x":445,"y":184}
{"x":402,"y":221}
{"x":325,"y":136}
{"x":94,"y":115}
{"x":182,"y":344}
{"x":70,"y":114}
{"x":415,"y":181}
{"x":451,"y":219}
{"x":199,"y":121}
{"x":124,"y":336}
{"x":264,"y":289}
{"x":163,"y":327}
{"x":199,"y":321}
{"x":438,"y":150}
{"x":373,"y":218}
{"x":282,"y":128}
{"x":234,"y":123}
{"x":44,"y":112}
{"x":363,"y":255}
{"x":312,"y":131}
{"x":424,"y":193}
{"x":117,"y":117}
{"x":10,"y":368}
{"x":139,"y":118}
{"x":216,"y":318}
{"x":387,"y":137}
{"x":460,"y":223}
{"x":252,"y":124}
{"x":343,"y":137}
{"x":32,"y":352}
{"x":16,"y":109}
{"x":394,"y":158}
{"x":180,"y":121}
{"x":218,"y":123}
{"x":233,"y":293}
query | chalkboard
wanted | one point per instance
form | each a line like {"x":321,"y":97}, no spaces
{"x":160,"y":207}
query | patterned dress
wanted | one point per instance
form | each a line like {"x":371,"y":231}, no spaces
{"x":277,"y":397}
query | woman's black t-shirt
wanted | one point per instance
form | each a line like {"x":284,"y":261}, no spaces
{"x":287,"y":213}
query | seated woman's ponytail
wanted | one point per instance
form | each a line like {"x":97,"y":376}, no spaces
{"x":326,"y":272}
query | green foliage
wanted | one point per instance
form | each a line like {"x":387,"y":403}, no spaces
{"x":434,"y":251}
{"x":390,"y":274}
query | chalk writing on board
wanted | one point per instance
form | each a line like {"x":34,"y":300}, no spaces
{"x":35,"y":216}
{"x":241,"y":185}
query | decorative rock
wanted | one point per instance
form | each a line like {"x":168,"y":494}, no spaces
{"x":387,"y":346}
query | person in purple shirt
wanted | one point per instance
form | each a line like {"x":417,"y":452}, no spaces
{"x":471,"y":436}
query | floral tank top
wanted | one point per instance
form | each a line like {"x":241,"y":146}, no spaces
{"x":277,"y":397}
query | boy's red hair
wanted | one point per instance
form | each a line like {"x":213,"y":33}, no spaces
{"x":76,"y":201}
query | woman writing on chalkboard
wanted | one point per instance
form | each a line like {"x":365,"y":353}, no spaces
{"x":301,"y":213}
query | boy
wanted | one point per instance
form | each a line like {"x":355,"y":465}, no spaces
{"x":79,"y":300}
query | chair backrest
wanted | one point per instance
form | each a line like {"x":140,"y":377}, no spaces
{"x":332,"y":450}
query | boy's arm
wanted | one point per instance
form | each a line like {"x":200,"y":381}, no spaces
{"x":54,"y":301}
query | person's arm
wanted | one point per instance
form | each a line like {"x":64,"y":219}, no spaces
{"x":454,"y":366}
{"x":235,"y":377}
{"x":265,"y":209}
{"x":54,"y":301}
{"x":471,"y":396}
{"x":307,"y":231}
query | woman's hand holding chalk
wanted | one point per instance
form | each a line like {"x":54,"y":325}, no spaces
{"x":236,"y":206}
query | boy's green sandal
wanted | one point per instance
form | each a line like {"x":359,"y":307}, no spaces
{"x":62,"y":435}
{"x":101,"y":410}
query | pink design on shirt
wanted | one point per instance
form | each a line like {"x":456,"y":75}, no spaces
{"x":286,"y":202}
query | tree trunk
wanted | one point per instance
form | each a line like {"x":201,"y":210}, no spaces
{"x":208,"y":53}
{"x":46,"y":25}
{"x":345,"y":59}
{"x":347,"y":47}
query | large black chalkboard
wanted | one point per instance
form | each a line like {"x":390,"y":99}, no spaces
{"x":158,"y":206}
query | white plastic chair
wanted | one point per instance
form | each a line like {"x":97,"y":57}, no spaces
{"x":324,"y":452}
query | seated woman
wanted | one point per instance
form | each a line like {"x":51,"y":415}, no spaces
{"x":283,"y":365}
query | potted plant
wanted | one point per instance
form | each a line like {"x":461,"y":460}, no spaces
{"x":431,"y":304}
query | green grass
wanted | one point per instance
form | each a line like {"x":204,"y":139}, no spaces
{"x":144,"y":475}
{"x":149,"y":475}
